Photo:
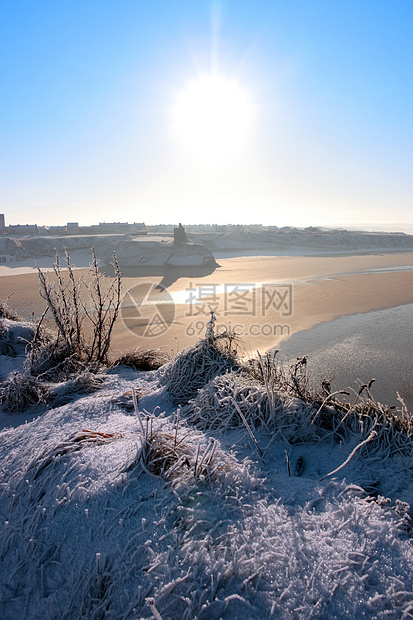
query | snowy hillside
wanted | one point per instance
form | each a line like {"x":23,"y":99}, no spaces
{"x":215,"y":493}
{"x":139,"y":251}
{"x":157,"y":250}
{"x":295,"y":239}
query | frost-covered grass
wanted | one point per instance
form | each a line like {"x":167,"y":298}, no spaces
{"x":43,"y":371}
{"x":64,"y":356}
{"x":15,"y":336}
{"x":143,"y":359}
{"x":20,"y":392}
{"x":248,"y":501}
{"x":195,"y":366}
{"x":6,"y":312}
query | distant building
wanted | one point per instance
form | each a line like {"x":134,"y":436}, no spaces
{"x":6,"y":257}
{"x":312,"y":229}
{"x":72,"y":228}
{"x":8,"y":249}
{"x":180,"y":235}
{"x":121,"y":228}
{"x":113,"y":227}
{"x":43,"y":231}
{"x":57,"y":230}
{"x":22,"y":229}
{"x":139,"y":228}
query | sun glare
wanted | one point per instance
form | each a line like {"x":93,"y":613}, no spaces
{"x":212,"y":116}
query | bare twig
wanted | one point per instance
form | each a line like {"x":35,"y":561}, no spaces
{"x":247,"y":426}
{"x":371,"y":436}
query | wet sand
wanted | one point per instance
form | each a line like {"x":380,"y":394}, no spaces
{"x":352,"y":350}
{"x":266,"y":299}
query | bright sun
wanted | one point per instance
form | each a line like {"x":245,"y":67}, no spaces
{"x":212,"y":116}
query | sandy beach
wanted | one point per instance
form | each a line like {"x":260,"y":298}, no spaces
{"x":264,"y":298}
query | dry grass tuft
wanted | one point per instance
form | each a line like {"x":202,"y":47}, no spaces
{"x":213,"y":408}
{"x":22,"y":391}
{"x":50,"y":359}
{"x":82,"y":383}
{"x":143,"y":359}
{"x":7,"y":313}
{"x":197,"y":365}
{"x":167,"y":454}
{"x":288,"y":378}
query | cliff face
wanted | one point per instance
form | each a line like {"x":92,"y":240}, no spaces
{"x":154,"y":251}
{"x":37,"y":246}
{"x":160,"y":251}
{"x":148,"y":251}
{"x":324,"y":240}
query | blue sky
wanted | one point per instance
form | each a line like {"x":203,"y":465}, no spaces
{"x":89,"y":89}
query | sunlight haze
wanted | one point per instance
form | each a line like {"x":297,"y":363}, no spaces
{"x":280,"y":113}
{"x":212,"y":116}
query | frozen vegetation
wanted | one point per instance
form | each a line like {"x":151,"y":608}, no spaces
{"x":207,"y":488}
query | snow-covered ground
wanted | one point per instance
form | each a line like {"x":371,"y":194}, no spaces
{"x":90,"y":528}
{"x":157,"y":250}
{"x":301,"y":242}
{"x":79,"y":258}
{"x":138,"y":251}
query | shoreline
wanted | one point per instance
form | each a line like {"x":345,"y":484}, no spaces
{"x":315,"y":290}
{"x":313,"y":303}
{"x":81,"y":259}
{"x":351,"y":350}
{"x":305,"y":253}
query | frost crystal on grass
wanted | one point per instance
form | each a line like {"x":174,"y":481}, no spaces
{"x":196,"y":365}
{"x":166,"y":512}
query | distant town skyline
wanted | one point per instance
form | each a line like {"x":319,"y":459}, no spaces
{"x":282,"y":113}
{"x":73,"y":228}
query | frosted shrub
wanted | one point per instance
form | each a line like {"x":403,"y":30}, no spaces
{"x":143,"y":359}
{"x":213,"y":406}
{"x":196,"y":365}
{"x":290,"y":378}
{"x":15,"y":336}
{"x":65,"y":302}
{"x":6,"y":312}
{"x":52,"y":360}
{"x":20,"y":392}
